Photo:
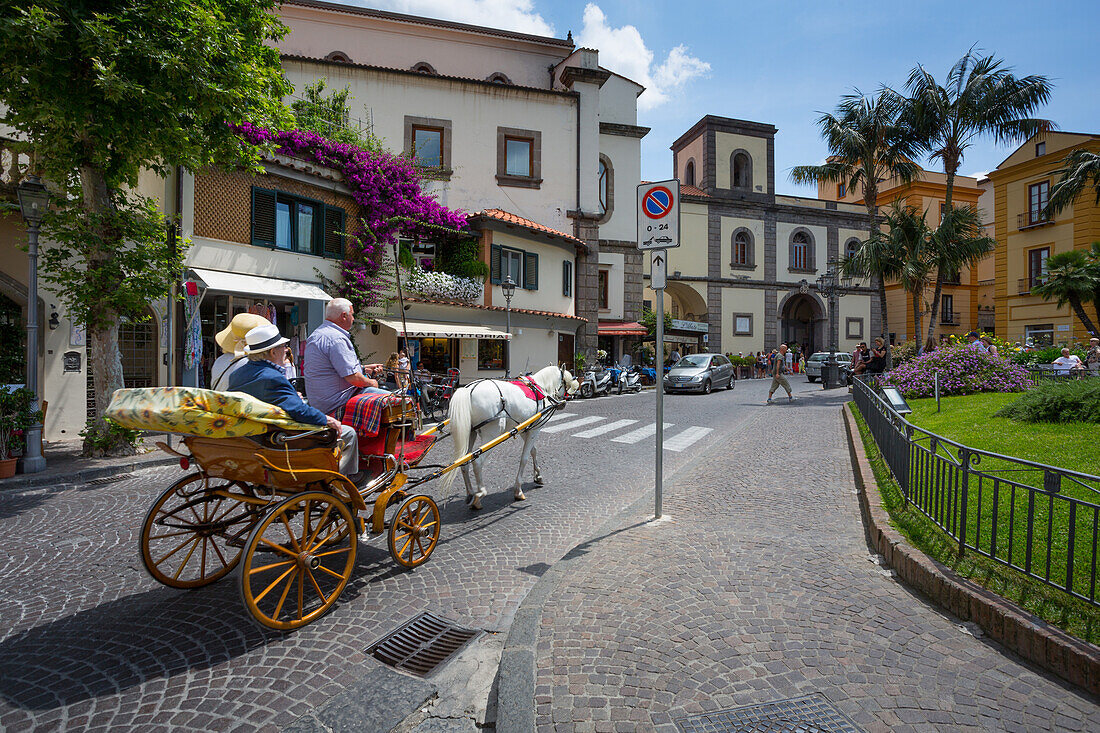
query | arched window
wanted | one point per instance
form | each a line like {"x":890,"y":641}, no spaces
{"x":423,"y":67}
{"x":339,"y":57}
{"x":741,"y":168}
{"x":851,"y":247}
{"x":802,"y":251}
{"x":603,"y":185}
{"x":689,"y":173}
{"x":743,"y":254}
{"x":499,"y":78}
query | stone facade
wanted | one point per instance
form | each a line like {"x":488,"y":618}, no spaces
{"x":770,"y":285}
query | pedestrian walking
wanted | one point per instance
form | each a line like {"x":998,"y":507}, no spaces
{"x":778,"y":369}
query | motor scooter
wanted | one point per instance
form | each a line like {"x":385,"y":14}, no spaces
{"x":630,"y":380}
{"x":596,"y":382}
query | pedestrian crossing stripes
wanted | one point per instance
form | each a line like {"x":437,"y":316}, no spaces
{"x":601,"y":429}
{"x":567,"y":421}
{"x":573,"y":423}
{"x":682,"y":440}
{"x":640,"y":434}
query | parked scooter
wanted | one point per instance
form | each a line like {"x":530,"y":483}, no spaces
{"x":596,"y":382}
{"x":627,"y":380}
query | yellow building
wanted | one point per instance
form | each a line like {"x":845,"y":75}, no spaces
{"x":959,"y":302}
{"x":1025,"y":239}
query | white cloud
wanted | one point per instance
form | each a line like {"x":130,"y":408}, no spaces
{"x":511,"y":15}
{"x":624,"y":51}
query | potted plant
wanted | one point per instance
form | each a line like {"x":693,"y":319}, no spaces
{"x":15,"y":417}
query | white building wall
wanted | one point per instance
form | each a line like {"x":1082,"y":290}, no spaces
{"x":549,"y":296}
{"x":626,"y":162}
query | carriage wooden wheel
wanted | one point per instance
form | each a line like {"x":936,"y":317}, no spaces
{"x":294,"y":566}
{"x":414,"y":531}
{"x":192,"y":535}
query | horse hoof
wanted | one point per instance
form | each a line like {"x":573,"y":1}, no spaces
{"x":520,"y":497}
{"x":475,"y":506}
{"x":539,"y":481}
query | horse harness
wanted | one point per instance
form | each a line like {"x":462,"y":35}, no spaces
{"x":541,"y":398}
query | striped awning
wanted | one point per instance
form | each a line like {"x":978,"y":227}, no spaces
{"x":622,"y":328}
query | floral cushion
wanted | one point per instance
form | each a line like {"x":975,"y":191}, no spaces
{"x":193,"y":411}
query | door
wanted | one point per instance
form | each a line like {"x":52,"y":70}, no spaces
{"x":565,"y":350}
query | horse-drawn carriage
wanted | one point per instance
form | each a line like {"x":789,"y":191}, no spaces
{"x":265,"y":495}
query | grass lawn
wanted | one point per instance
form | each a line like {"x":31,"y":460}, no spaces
{"x":969,"y":420}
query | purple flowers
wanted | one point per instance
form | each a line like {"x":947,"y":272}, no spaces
{"x":386,"y":187}
{"x":962,"y":370}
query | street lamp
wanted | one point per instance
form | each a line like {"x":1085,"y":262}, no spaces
{"x":33,"y":200}
{"x":509,"y":288}
{"x":833,"y":285}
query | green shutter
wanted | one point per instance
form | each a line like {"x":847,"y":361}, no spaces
{"x":530,"y":271}
{"x":263,"y":217}
{"x":333,"y":238}
{"x":494,"y":264}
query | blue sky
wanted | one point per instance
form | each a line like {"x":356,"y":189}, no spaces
{"x":783,"y":62}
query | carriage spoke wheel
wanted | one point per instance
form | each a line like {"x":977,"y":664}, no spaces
{"x":186,"y":539}
{"x":414,"y":531}
{"x":294,"y":566}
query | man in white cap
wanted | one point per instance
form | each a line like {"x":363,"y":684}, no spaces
{"x":263,"y":378}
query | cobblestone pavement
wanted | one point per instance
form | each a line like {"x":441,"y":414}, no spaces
{"x":89,"y":641}
{"x":760,"y":588}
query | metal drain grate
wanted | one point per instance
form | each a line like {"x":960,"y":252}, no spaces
{"x":422,"y":645}
{"x":110,"y":479}
{"x":811,"y":714}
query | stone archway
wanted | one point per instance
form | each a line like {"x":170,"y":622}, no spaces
{"x":802,"y":319}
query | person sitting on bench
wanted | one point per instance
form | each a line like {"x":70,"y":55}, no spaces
{"x":263,"y":378}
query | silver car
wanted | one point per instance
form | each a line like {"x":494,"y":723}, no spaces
{"x":699,"y":373}
{"x":816,"y":360}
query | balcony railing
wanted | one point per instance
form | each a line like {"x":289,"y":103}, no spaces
{"x":1030,"y":219}
{"x":1026,"y":284}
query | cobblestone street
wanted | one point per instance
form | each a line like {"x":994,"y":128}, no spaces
{"x":760,"y":588}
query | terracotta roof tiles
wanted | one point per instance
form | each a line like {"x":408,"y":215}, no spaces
{"x":509,"y":218}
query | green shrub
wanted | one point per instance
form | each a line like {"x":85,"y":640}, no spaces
{"x":1045,"y":355}
{"x":1069,"y":401}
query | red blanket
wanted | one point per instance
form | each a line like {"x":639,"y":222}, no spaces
{"x":364,"y":413}
{"x":530,"y":389}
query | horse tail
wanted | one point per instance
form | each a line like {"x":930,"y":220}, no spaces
{"x":459,"y":414}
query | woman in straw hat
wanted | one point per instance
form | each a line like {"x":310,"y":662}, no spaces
{"x":231,"y":341}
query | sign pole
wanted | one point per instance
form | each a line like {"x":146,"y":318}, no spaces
{"x":659,"y":353}
{"x":659,"y":231}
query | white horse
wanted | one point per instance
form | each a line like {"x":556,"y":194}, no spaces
{"x":492,"y":406}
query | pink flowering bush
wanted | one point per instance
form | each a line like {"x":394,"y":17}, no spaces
{"x":962,"y":370}
{"x":386,"y":186}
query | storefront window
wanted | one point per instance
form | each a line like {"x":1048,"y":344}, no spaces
{"x":492,"y":354}
{"x":435,"y":354}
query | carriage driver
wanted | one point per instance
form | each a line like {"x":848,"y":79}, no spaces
{"x":263,"y":378}
{"x":331,"y":368}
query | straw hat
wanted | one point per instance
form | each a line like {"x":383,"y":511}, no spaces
{"x":231,"y":338}
{"x":262,"y":338}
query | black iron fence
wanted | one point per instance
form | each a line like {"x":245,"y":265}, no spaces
{"x":1050,"y":372}
{"x":1040,"y":520}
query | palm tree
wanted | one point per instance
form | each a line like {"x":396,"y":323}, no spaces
{"x":901,"y":252}
{"x":866,"y":146}
{"x":1080,"y":169}
{"x":980,"y":97}
{"x":957,"y":242}
{"x":1069,"y":279}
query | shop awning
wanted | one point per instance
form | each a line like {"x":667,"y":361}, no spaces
{"x":430,"y":329}
{"x":260,"y":287}
{"x":622,"y":328}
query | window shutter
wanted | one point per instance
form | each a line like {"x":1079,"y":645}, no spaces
{"x":494,"y":264}
{"x":530,"y":271}
{"x":332,"y":244}
{"x":567,"y":278}
{"x":263,"y":217}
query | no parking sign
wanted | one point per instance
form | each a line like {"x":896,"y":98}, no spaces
{"x":659,"y":215}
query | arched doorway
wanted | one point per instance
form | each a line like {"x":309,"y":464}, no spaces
{"x":13,"y":342}
{"x":802,"y":322}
